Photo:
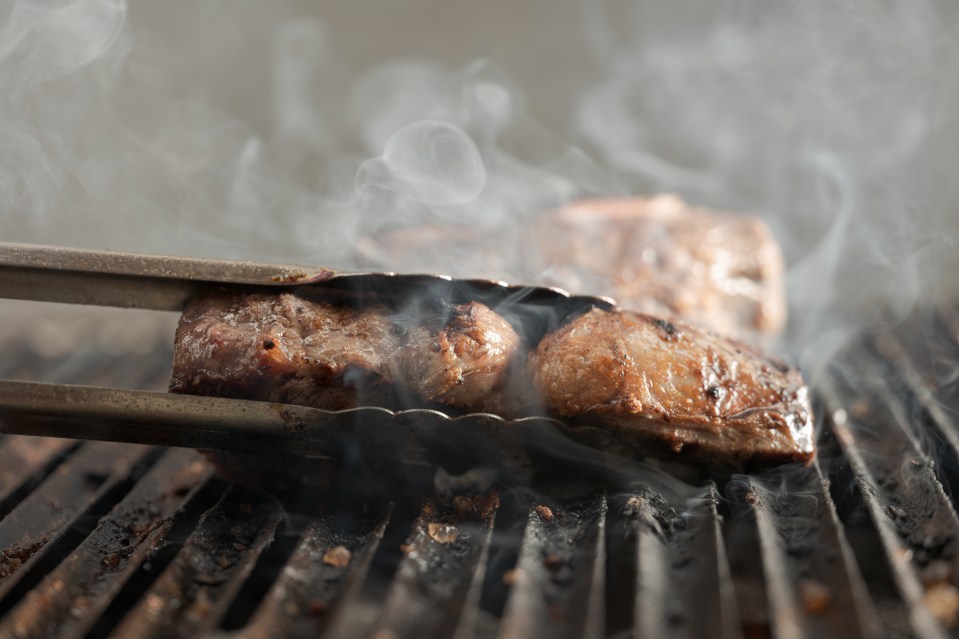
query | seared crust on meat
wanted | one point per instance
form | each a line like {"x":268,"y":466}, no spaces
{"x":283,"y":348}
{"x":655,"y":385}
{"x":458,"y":360}
{"x":675,"y":388}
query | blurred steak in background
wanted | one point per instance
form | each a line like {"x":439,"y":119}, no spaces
{"x":661,"y":256}
{"x":656,"y":255}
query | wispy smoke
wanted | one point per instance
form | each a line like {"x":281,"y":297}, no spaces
{"x":831,"y":121}
{"x":266,"y":131}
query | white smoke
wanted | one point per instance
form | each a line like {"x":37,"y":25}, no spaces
{"x":282,"y":131}
{"x":833,"y":122}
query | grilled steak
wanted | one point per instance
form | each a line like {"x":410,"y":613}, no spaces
{"x":280,"y":348}
{"x":655,"y":255}
{"x":658,"y":386}
{"x":283,"y":348}
{"x":675,"y":388}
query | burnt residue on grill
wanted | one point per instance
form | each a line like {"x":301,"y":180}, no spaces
{"x":875,"y":432}
{"x":812,"y":582}
{"x":72,"y":597}
{"x":329,"y":564}
{"x":442,"y":558}
{"x":195,"y":590}
{"x":32,"y":527}
{"x":13,"y":557}
{"x":674,"y":580}
{"x":556,"y":591}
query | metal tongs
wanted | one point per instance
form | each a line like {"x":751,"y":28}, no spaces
{"x":166,"y":283}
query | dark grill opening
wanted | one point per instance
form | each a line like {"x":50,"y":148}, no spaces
{"x":104,"y":539}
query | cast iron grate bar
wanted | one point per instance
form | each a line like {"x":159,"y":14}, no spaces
{"x":914,"y":519}
{"x":745,"y":564}
{"x":474,"y":622}
{"x":196,"y":589}
{"x":898,"y":554}
{"x":40,"y":519}
{"x":72,"y":597}
{"x":930,"y":416}
{"x":812,"y":581}
{"x":555,"y":592}
{"x":24,"y":460}
{"x":804,"y":580}
{"x":929,"y":339}
{"x":329,"y":564}
{"x":683,"y":587}
{"x":443,"y":552}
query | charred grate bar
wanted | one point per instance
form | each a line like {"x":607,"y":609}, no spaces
{"x":192,"y":595}
{"x":682,"y":582}
{"x":329,"y":565}
{"x":124,"y":540}
{"x":557,"y":584}
{"x":71,"y":597}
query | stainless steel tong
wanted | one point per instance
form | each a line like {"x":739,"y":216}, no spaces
{"x":166,"y":283}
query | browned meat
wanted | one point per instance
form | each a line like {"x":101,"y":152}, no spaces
{"x":676,"y":388}
{"x":282,"y":348}
{"x":657,"y":385}
{"x":655,"y":255}
{"x":660,"y":256}
{"x":460,"y":360}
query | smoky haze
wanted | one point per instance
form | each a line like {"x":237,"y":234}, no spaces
{"x":286,"y":131}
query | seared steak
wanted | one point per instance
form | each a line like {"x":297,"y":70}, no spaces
{"x":283,"y":348}
{"x":675,"y":388}
{"x":658,"y":386}
{"x":280,"y":348}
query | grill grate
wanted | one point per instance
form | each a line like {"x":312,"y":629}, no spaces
{"x":105,"y":539}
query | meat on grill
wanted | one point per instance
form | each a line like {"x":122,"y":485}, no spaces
{"x":675,"y":388}
{"x":656,"y":255}
{"x":283,"y":348}
{"x":458,"y":359}
{"x":666,"y":386}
